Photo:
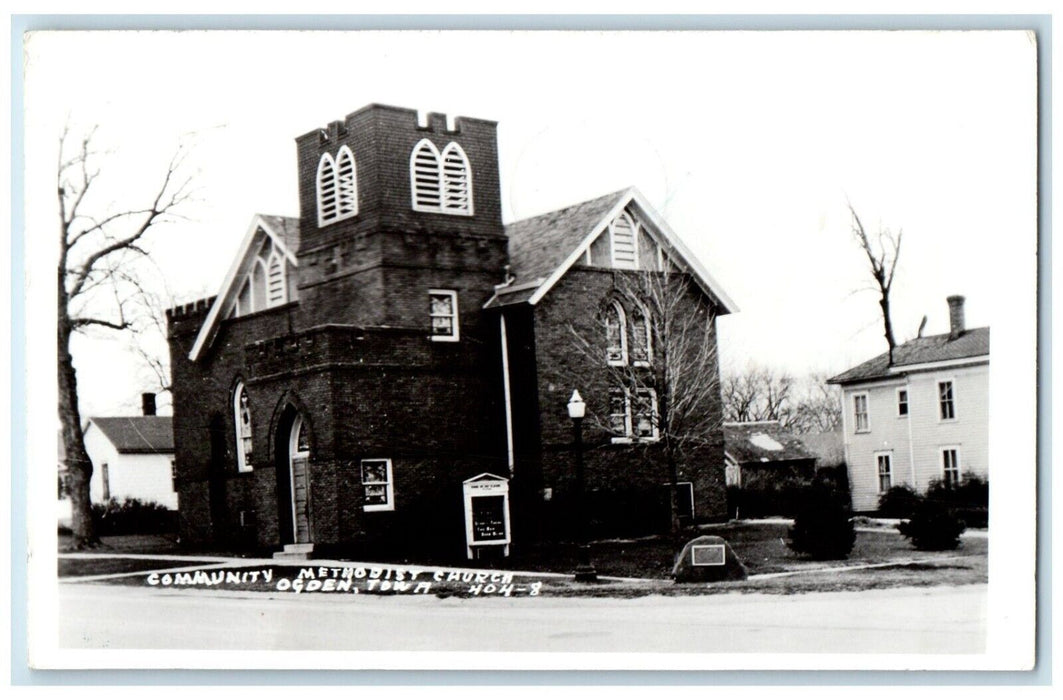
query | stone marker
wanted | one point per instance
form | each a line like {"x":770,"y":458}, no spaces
{"x":708,"y":558}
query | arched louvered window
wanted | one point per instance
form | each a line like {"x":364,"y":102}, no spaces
{"x":457,"y":181}
{"x":346,"y":184}
{"x":327,"y":195}
{"x":275,"y":288}
{"x":641,"y":337}
{"x":623,"y":242}
{"x":242,"y":420}
{"x":615,"y":334}
{"x":426,"y":177}
{"x":440,"y":183}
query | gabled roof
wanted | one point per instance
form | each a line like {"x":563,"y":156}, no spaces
{"x":544,"y":247}
{"x":284,"y":231}
{"x":762,"y":442}
{"x":969,"y":346}
{"x":137,"y":434}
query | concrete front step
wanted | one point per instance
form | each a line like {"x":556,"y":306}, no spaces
{"x":297,"y":552}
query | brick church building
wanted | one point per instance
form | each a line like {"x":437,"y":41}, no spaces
{"x":369,"y":369}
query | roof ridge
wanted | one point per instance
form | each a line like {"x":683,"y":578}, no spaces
{"x":570,"y":206}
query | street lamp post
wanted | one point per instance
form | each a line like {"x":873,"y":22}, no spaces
{"x":585,"y":572}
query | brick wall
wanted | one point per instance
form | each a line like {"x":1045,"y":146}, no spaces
{"x":564,"y":320}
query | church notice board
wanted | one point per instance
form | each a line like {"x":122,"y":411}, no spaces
{"x":486,"y":512}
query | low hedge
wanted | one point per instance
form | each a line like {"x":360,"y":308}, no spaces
{"x":131,"y":516}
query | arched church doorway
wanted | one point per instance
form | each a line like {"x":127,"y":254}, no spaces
{"x":293,"y":478}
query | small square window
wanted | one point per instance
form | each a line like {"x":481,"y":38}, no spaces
{"x":443,"y":314}
{"x":902,"y":402}
{"x":377,"y":485}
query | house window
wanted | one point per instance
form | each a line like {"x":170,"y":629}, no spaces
{"x":443,"y":313}
{"x":902,"y":403}
{"x":860,"y":416}
{"x":884,"y":461}
{"x":950,"y":466}
{"x":105,"y":478}
{"x":337,"y":187}
{"x":641,"y":352}
{"x":377,"y":485}
{"x":946,"y":401}
{"x":242,"y":416}
{"x":440,"y":183}
{"x":173,"y":473}
{"x":623,"y":246}
{"x":615,"y":335}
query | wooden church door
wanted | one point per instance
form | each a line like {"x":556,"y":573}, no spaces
{"x":299,"y":454}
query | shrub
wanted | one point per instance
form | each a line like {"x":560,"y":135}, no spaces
{"x":933,"y":527}
{"x":898,"y":502}
{"x":968,"y":500}
{"x":767,"y":499}
{"x":822,"y":527}
{"x":131,"y":516}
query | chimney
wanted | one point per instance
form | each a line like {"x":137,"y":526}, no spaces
{"x":147,"y":401}
{"x":956,"y":328}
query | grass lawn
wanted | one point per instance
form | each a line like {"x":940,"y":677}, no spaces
{"x":772,"y":566}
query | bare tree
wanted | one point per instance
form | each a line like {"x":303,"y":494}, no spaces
{"x":818,"y":409}
{"x":670,"y":378}
{"x":758,"y":394}
{"x":98,"y":284}
{"x":882,"y":255}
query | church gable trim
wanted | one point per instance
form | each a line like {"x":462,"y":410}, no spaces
{"x":234,"y":279}
{"x":656,"y":227}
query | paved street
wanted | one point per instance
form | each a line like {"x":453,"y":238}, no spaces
{"x":925,"y":620}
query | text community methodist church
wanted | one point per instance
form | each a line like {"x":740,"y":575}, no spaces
{"x":393,"y":368}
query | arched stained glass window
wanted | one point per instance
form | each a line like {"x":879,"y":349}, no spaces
{"x":242,"y":419}
{"x":615,"y":334}
{"x":641,"y":337}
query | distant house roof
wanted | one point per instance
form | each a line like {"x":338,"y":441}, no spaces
{"x":137,"y":434}
{"x":973,"y":343}
{"x":543,"y":248}
{"x":762,"y":442}
{"x":828,"y":448}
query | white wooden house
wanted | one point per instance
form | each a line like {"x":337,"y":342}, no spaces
{"x":921,"y":417}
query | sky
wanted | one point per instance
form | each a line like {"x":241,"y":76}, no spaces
{"x":750,"y":144}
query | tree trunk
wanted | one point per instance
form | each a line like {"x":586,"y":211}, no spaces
{"x":884,"y":302}
{"x":79,"y":467}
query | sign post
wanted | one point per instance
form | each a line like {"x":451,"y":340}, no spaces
{"x":486,"y":513}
